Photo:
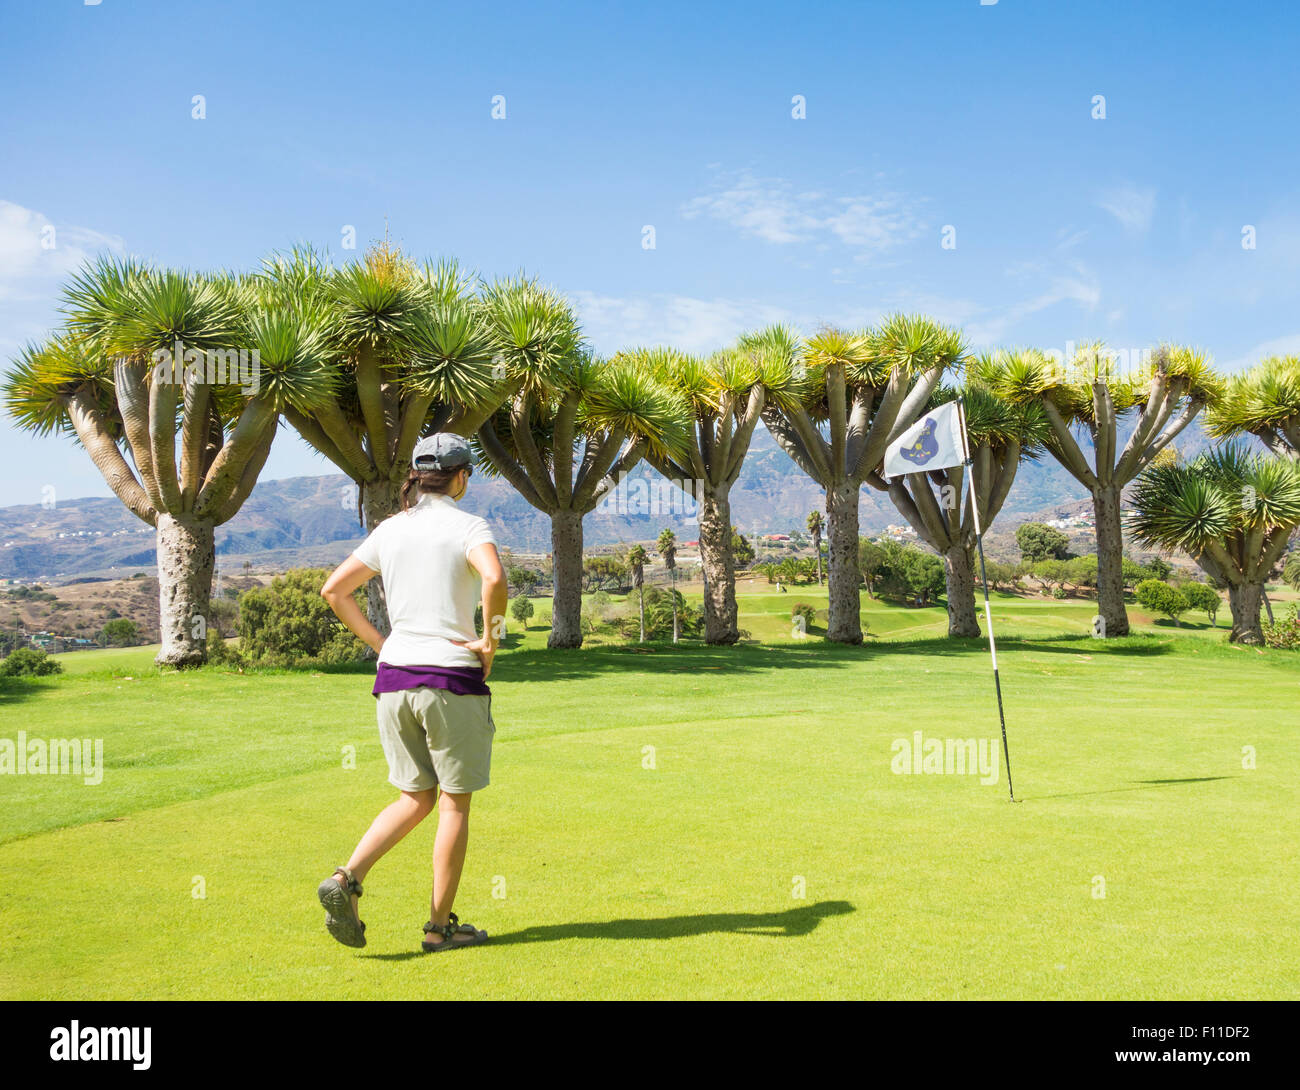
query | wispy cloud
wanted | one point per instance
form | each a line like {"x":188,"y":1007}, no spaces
{"x":36,"y":254}
{"x":701,"y":326}
{"x":36,"y":257}
{"x":1288,"y":345}
{"x":690,"y":324}
{"x":772,"y":209}
{"x":1132,"y":205}
{"x":1075,"y":284}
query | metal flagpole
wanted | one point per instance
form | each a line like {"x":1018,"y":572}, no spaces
{"x":988,"y":613}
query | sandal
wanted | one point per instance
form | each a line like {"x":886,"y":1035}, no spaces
{"x":452,"y":927}
{"x":341,"y":919}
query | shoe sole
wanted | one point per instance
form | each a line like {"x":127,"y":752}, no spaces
{"x":339,"y":919}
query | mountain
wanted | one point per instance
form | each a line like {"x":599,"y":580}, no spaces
{"x":303,"y":521}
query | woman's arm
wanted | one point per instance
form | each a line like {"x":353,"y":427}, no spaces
{"x":337,"y":591}
{"x":487,"y":562}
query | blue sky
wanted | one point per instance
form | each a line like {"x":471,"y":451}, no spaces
{"x":920,"y":115}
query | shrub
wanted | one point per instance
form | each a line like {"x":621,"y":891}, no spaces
{"x":223,"y":615}
{"x":1202,"y":596}
{"x":1283,"y":633}
{"x":1003,"y":574}
{"x":222,"y":653}
{"x":802,"y":611}
{"x":29,"y":662}
{"x":659,"y":616}
{"x":1082,"y":571}
{"x":1051,"y":573}
{"x":120,"y":632}
{"x":1159,"y":568}
{"x":289,"y":621}
{"x":521,"y":609}
{"x":1039,"y":541}
{"x":741,"y":550}
{"x":1156,"y":596}
{"x":907,"y":573}
{"x":1133,"y":572}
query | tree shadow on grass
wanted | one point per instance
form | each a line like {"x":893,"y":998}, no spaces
{"x":14,"y":689}
{"x":791,"y":922}
{"x":554,"y":664}
{"x":1142,"y":785}
{"x":1184,"y":625}
{"x":1064,"y":644}
{"x":540,"y":663}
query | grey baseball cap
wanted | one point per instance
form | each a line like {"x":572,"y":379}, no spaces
{"x":442,"y":450}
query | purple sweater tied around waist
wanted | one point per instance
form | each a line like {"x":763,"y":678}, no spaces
{"x":461,"y":680}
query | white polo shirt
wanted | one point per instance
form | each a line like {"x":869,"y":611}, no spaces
{"x":422,"y":555}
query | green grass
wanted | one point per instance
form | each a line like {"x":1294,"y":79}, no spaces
{"x":772,"y":772}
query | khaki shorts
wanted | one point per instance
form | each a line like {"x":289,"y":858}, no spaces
{"x":434,"y":738}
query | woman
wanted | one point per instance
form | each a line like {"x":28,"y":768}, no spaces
{"x":435,"y":710}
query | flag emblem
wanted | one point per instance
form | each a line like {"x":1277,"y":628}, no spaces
{"x":925,"y":448}
{"x":933,"y":442}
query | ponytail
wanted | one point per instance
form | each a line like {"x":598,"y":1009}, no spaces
{"x":436,"y":481}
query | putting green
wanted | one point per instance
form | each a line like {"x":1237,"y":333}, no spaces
{"x":770,"y":850}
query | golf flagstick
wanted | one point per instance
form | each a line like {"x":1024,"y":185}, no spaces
{"x":988,"y":613}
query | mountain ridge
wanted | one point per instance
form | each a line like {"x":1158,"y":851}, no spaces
{"x":295,"y":521}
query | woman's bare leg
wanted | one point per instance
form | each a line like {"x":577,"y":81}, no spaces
{"x":448,"y":859}
{"x":394,"y":822}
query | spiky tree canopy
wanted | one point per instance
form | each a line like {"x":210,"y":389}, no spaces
{"x":145,"y":353}
{"x":1230,"y":509}
{"x":1093,"y":392}
{"x":866,"y":386}
{"x":573,"y":422}
{"x":413,"y":354}
{"x":1264,"y":402}
{"x":667,"y":548}
{"x":721,"y":397}
{"x":1001,"y":433}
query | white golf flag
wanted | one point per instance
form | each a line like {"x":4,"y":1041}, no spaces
{"x":933,"y":442}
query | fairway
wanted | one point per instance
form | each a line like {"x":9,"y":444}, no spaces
{"x":685,"y":822}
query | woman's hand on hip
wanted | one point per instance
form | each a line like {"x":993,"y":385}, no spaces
{"x":485,"y":648}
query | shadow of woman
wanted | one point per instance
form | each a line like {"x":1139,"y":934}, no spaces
{"x":791,"y":922}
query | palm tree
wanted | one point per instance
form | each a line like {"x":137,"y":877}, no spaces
{"x":1091,"y":396}
{"x":667,"y":546}
{"x":815,"y":526}
{"x":108,"y":379}
{"x":865,"y":388}
{"x":1001,"y":436}
{"x":574,"y":426}
{"x":726,"y":395}
{"x":1264,"y":402}
{"x":413,"y":356}
{"x":1232,"y":512}
{"x":637,"y":559}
